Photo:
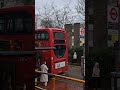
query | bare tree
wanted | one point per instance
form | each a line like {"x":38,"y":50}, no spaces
{"x":54,"y":17}
{"x":62,"y":16}
{"x":80,"y":8}
{"x":44,"y":17}
{"x":47,"y":23}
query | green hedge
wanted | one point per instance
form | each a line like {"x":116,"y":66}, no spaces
{"x":79,"y":51}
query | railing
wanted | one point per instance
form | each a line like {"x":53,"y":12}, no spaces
{"x":60,"y":76}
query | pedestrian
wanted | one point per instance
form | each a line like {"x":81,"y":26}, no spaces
{"x":74,"y":58}
{"x":44,"y":77}
{"x":96,"y":77}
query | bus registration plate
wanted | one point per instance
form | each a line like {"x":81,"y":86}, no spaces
{"x":59,"y":65}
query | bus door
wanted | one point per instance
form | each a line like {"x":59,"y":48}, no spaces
{"x":25,"y":67}
{"x":7,"y":76}
{"x":17,"y":70}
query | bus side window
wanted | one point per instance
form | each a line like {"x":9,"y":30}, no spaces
{"x":10,"y":25}
{"x":1,"y":24}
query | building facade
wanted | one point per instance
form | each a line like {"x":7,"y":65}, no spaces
{"x":101,"y":38}
{"x":68,"y":29}
{"x":12,"y":3}
{"x":73,"y":34}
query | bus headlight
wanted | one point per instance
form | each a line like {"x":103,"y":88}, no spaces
{"x":51,"y":58}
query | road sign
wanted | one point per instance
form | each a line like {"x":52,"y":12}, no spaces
{"x":82,"y":31}
{"x":113,"y":26}
{"x":113,"y":13}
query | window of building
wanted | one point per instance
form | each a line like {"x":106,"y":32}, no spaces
{"x":72,"y":40}
{"x":90,"y":19}
{"x":90,"y":35}
{"x":90,"y":27}
{"x":91,"y":11}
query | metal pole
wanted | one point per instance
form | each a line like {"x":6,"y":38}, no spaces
{"x":115,"y":83}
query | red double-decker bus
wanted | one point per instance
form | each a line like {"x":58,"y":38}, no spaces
{"x":56,"y":53}
{"x":17,"y":60}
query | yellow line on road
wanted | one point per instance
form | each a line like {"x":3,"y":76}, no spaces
{"x":39,"y":88}
{"x":65,"y":77}
{"x":70,"y":78}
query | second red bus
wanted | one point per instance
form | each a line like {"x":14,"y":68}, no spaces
{"x":56,"y":59}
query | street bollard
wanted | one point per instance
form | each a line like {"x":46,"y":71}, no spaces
{"x":114,"y":80}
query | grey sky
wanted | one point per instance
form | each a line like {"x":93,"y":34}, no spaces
{"x":39,"y":4}
{"x":57,"y":3}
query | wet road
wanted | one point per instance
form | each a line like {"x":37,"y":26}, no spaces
{"x":64,"y":84}
{"x":74,"y":71}
{"x":59,"y":85}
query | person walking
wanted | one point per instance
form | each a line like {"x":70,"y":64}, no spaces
{"x":75,"y":57}
{"x":44,"y":77}
{"x":96,"y":77}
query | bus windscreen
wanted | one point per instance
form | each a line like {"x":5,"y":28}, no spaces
{"x":59,"y":51}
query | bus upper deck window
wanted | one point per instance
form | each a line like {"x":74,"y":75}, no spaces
{"x":18,"y":24}
{"x":10,"y":25}
{"x":43,"y":35}
{"x":38,"y":35}
{"x":1,"y":25}
{"x":28,"y":24}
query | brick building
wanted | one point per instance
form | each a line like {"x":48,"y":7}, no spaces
{"x":77,"y":34}
{"x":68,"y":29}
{"x":73,"y":34}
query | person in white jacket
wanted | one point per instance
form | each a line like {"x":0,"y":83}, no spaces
{"x":44,"y":77}
{"x":75,"y":57}
{"x":96,"y":76}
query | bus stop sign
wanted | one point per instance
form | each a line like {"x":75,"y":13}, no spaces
{"x":113,"y":14}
